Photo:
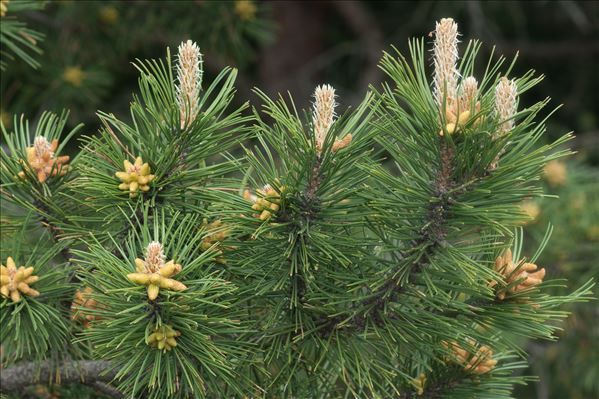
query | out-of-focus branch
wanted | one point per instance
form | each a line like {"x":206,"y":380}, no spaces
{"x":107,"y":389}
{"x":586,"y":140}
{"x":85,"y":371}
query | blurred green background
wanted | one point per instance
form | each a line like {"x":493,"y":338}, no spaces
{"x":281,"y":46}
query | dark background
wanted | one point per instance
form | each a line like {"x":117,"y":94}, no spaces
{"x":282,"y":46}
{"x":294,"y":45}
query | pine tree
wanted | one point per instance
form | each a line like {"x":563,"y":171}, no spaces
{"x":374,"y":253}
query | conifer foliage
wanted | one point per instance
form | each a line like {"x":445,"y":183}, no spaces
{"x":204,"y":251}
{"x":18,"y":41}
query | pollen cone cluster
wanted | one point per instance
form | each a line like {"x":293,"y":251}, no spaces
{"x":136,"y":177}
{"x":342,"y":143}
{"x":527,"y":274}
{"x":266,"y":201}
{"x":82,"y":304}
{"x":3,"y":7}
{"x":419,"y":383}
{"x":245,"y":9}
{"x":531,"y":209}
{"x":556,"y":173}
{"x":14,"y":282}
{"x":479,"y":363}
{"x":216,"y":233}
{"x":42,"y":162}
{"x":74,"y":75}
{"x":163,"y":338}
{"x":459,"y":110}
{"x":154,"y":273}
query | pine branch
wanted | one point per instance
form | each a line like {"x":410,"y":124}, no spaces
{"x":430,"y":236}
{"x":315,"y":180}
{"x":26,"y":374}
{"x":308,"y":211}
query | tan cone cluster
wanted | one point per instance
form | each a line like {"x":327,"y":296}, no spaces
{"x":216,"y":233}
{"x":136,"y":177}
{"x":3,"y":7}
{"x":459,"y":109}
{"x":556,"y":173}
{"x":42,"y":161}
{"x":14,"y":282}
{"x":163,"y":338}
{"x":74,"y":75}
{"x":339,"y":144}
{"x":528,"y":273}
{"x":154,"y":273}
{"x":480,"y":362}
{"x":81,"y":304}
{"x":245,"y":10}
{"x":419,"y":383}
{"x":109,"y":15}
{"x":531,"y":209}
{"x":266,"y":201}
